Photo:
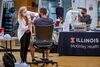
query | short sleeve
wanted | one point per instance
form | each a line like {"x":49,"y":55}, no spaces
{"x":52,"y":21}
{"x":22,"y":26}
{"x":35,"y":21}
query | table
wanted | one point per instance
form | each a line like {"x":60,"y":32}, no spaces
{"x":5,"y":39}
{"x":79,"y":44}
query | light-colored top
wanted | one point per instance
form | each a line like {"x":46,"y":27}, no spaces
{"x":22,"y":24}
{"x":23,"y":27}
{"x":70,"y":16}
{"x":30,"y":13}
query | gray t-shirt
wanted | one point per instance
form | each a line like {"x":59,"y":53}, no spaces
{"x":43,"y":21}
{"x":87,"y":19}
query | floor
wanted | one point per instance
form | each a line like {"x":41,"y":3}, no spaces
{"x":64,"y":61}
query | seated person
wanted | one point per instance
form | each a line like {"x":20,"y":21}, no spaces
{"x":43,"y":20}
{"x":85,"y":17}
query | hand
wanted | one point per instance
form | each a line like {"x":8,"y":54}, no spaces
{"x":60,"y":18}
{"x":34,"y":19}
{"x":28,"y":30}
{"x":79,"y":17}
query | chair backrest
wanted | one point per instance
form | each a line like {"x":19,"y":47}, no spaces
{"x":44,"y":32}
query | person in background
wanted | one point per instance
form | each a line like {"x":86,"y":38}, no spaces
{"x":59,"y":11}
{"x":42,"y":21}
{"x":85,"y":18}
{"x":24,"y":32}
{"x":68,"y":20}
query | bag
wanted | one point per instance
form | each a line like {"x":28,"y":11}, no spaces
{"x":9,"y":60}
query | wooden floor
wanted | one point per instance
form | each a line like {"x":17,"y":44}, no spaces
{"x":65,"y":61}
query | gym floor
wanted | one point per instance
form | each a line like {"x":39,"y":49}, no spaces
{"x":63,"y":61}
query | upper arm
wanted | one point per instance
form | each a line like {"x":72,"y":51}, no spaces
{"x":33,"y":13}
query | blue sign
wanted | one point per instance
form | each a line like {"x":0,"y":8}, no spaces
{"x":79,"y":43}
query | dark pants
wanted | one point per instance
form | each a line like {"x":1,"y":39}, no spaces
{"x":25,"y":40}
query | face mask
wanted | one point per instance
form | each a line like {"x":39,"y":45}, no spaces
{"x":25,"y":14}
{"x":82,"y":13}
{"x":59,"y":5}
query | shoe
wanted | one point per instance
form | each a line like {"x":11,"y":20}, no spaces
{"x":36,"y":61}
{"x":47,"y":60}
{"x":21,"y":64}
{"x":24,"y":64}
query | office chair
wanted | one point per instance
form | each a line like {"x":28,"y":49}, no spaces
{"x":43,"y":42}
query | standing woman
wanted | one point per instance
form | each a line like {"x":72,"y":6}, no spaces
{"x":24,"y":32}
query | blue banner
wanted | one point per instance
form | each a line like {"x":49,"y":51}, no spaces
{"x":79,"y":43}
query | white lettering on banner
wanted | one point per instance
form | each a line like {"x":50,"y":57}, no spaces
{"x":85,"y":46}
{"x":90,"y":40}
{"x":85,"y":43}
{"x":78,"y":46}
{"x":92,"y":46}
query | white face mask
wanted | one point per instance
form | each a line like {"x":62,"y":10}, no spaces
{"x":26,"y":14}
{"x":60,"y":5}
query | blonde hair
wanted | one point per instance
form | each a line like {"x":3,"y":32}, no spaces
{"x":21,"y":9}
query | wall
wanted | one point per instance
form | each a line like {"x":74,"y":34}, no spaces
{"x":1,"y":12}
{"x":66,"y":4}
{"x":28,"y":3}
{"x":52,"y":9}
{"x":78,"y":3}
{"x":93,"y":12}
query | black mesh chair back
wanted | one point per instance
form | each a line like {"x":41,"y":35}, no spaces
{"x":44,"y":32}
{"x":43,"y":42}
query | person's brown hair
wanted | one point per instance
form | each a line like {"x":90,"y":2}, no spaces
{"x":43,"y":10}
{"x":84,"y":9}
